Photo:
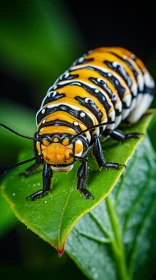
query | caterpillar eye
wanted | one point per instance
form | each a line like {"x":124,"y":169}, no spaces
{"x":65,"y":141}
{"x":46,"y":142}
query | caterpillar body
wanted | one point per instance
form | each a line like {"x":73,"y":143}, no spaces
{"x":100,"y":90}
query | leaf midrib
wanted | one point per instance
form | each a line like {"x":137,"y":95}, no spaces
{"x":61,"y":219}
{"x":117,"y":245}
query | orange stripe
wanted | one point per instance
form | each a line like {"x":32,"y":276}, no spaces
{"x":71,"y":101}
{"x":56,"y":129}
{"x":123,"y":83}
{"x":112,"y":58}
{"x":84,"y":74}
{"x":61,"y":115}
{"x":121,"y":52}
{"x":138,"y":61}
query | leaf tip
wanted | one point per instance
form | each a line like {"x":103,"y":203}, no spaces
{"x":61,"y":251}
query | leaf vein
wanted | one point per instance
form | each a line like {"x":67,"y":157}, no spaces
{"x":100,"y":225}
{"x":144,"y":220}
{"x":61,"y":218}
{"x":100,"y":240}
{"x":136,"y":202}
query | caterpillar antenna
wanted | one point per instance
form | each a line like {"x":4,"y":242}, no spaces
{"x":17,"y":164}
{"x":15,"y":132}
{"x":91,"y":128}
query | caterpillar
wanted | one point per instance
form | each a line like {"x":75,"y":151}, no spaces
{"x":101,"y":89}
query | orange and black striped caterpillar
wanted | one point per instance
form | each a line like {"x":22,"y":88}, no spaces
{"x":100,"y":89}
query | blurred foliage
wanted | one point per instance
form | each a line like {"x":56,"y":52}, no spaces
{"x":7,"y":217}
{"x":39,"y":40}
{"x":20,"y":119}
{"x":37,"y":259}
{"x":61,"y":272}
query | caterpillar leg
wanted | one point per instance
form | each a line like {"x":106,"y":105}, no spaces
{"x":82,"y":175}
{"x":32,"y":168}
{"x":98,"y":153}
{"x":47,"y":176}
{"x":120,"y":136}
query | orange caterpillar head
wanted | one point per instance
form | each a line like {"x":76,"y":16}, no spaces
{"x":59,"y":153}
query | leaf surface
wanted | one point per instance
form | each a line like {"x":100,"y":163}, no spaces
{"x":116,"y":240}
{"x":54,"y":216}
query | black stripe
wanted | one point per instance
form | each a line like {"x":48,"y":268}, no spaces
{"x":148,"y":90}
{"x":50,"y":137}
{"x":109,"y":76}
{"x":128,"y":63}
{"x":136,"y":74}
{"x":98,"y":95}
{"x":69,"y":77}
{"x":105,"y":87}
{"x":114,"y":81}
{"x":53,"y":98}
{"x":102,"y":84}
{"x":62,"y":165}
{"x":91,"y":106}
{"x":85,"y":60}
{"x":121,"y":71}
{"x":58,"y":122}
{"x":76,"y":113}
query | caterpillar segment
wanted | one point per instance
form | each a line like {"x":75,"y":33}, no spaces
{"x":100,"y":90}
{"x":145,"y":82}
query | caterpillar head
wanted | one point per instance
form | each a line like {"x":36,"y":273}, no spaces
{"x":60,"y":153}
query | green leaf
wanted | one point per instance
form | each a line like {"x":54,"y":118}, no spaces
{"x":54,"y":216}
{"x":116,"y":240}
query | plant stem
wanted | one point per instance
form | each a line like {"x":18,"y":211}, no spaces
{"x":117,"y":245}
